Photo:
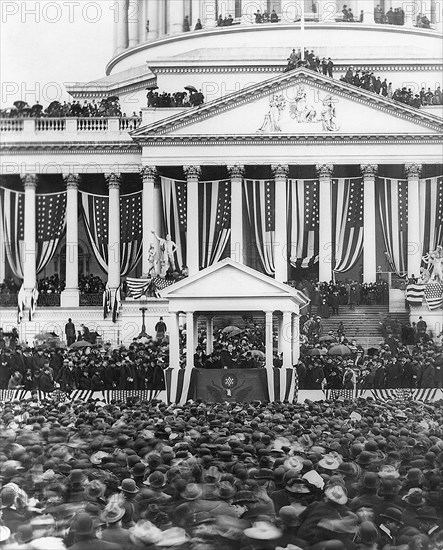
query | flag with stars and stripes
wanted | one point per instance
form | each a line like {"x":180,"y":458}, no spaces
{"x":392,"y":200}
{"x":431,"y":213}
{"x":51,"y":223}
{"x":434,"y":295}
{"x":303,"y":222}
{"x":12,"y":216}
{"x":260,"y":207}
{"x":95,"y":209}
{"x":214,"y":200}
{"x":174,"y":199}
{"x":347,"y":222}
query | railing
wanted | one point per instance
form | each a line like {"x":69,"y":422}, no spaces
{"x":92,"y":124}
{"x":48,"y":300}
{"x":50,"y":124}
{"x":130,"y":123}
{"x":8,"y":300}
{"x":91,"y":300}
{"x":11,"y":125}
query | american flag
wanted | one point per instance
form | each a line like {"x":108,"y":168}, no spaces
{"x":260,"y":205}
{"x":431,"y":213}
{"x":303,"y":220}
{"x":12,"y":217}
{"x":51,"y":223}
{"x":347,"y":222}
{"x":174,"y":199}
{"x":415,"y":293}
{"x":434,"y":295}
{"x":392,"y":198}
{"x":95,"y":209}
{"x":131,"y":231}
{"x":215,"y":220}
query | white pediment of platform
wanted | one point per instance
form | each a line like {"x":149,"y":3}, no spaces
{"x":229,"y":279}
{"x":299,"y":102}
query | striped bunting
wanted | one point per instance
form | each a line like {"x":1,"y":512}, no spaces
{"x":174,"y":199}
{"x":431,"y":213}
{"x":411,"y":394}
{"x":415,"y":293}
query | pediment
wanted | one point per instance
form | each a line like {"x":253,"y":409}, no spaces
{"x":300,"y":102}
{"x":229,"y":279}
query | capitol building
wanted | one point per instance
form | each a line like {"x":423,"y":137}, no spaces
{"x":272,"y":140}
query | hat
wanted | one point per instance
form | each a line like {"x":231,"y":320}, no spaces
{"x":112,"y":513}
{"x":370,"y":480}
{"x":192,"y":492}
{"x":5,"y":533}
{"x":226,"y":490}
{"x":387,"y":471}
{"x":211,"y":475}
{"x":128,"y":486}
{"x":294,"y":463}
{"x":329,"y":462}
{"x":245,"y":496}
{"x":289,"y":516}
{"x":263,"y":530}
{"x":175,"y":536}
{"x":364,"y":458}
{"x":415,"y":497}
{"x":427,"y":512}
{"x":83,"y":524}
{"x":156,"y":480}
{"x":138,"y":470}
{"x":297,"y":485}
{"x":336,"y":493}
{"x":25,"y":533}
{"x":368,"y":533}
{"x":145,"y":532}
{"x":394,"y":514}
{"x":314,"y":478}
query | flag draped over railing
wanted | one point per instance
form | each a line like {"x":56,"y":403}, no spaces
{"x":260,"y":208}
{"x":431,"y":213}
{"x":50,"y":227}
{"x":347,"y":222}
{"x":392,"y":200}
{"x":174,"y":200}
{"x":95,"y":210}
{"x":214,"y":207}
{"x":303,"y":222}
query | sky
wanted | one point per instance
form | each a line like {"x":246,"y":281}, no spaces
{"x":44,"y":44}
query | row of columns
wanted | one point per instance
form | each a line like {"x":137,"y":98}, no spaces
{"x":152,"y":221}
{"x":288,"y":340}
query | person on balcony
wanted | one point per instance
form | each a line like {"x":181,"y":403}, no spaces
{"x":70,"y":332}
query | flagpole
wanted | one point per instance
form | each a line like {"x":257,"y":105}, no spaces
{"x":302,"y":28}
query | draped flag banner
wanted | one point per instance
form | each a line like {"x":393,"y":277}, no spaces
{"x":347,"y":222}
{"x":95,"y":210}
{"x":50,"y":226}
{"x":260,"y":207}
{"x":434,"y":295}
{"x":431,"y":213}
{"x":415,"y":293}
{"x":392,"y":200}
{"x":174,"y":200}
{"x":303,"y":211}
{"x":139,"y":287}
{"x":214,"y":206}
{"x":108,"y":396}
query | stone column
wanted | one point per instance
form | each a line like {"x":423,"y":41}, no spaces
{"x":195,"y":12}
{"x":236,"y":174}
{"x":29,"y":252}
{"x":174,"y":342}
{"x":325,"y":225}
{"x":209,"y":14}
{"x":411,"y":9}
{"x":370,"y":249}
{"x":2,"y":252}
{"x":286,"y":346}
{"x":70,"y":296}
{"x":193,"y":174}
{"x":368,"y":12}
{"x":153,"y":18}
{"x":176,"y":15}
{"x":133,"y":22}
{"x":280,"y":172}
{"x":114,"y":181}
{"x":151,"y":212}
{"x":142,"y":17}
{"x":209,"y":334}
{"x":295,"y":339}
{"x":414,"y":245}
{"x":269,"y":343}
{"x":121,"y":16}
{"x":190,"y":340}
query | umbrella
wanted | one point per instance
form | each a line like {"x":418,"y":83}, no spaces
{"x":20,"y":104}
{"x":113,"y":98}
{"x":152,"y":87}
{"x":327,"y":338}
{"x":339,"y":349}
{"x":45,"y":336}
{"x":314,"y":351}
{"x":257,"y":353}
{"x":80,"y":344}
{"x":191,"y":88}
{"x":53,"y":105}
{"x":232,"y":331}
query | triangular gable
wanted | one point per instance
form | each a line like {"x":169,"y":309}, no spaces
{"x":231,"y":279}
{"x":297,"y":102}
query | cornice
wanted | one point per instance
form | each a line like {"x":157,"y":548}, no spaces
{"x":72,"y":148}
{"x":288,"y":139}
{"x":274,"y":85}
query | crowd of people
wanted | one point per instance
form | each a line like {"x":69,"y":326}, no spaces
{"x":343,"y":475}
{"x":190,"y":98}
{"x":311,"y":61}
{"x":106,"y":107}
